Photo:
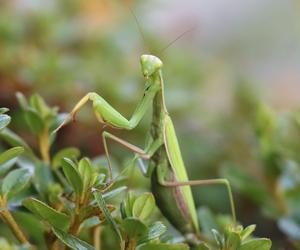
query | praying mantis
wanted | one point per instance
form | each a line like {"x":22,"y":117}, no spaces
{"x":169,"y":181}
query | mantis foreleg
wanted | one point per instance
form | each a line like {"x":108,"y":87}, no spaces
{"x":105,"y":113}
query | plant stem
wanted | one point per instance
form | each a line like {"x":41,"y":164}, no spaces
{"x":10,"y":221}
{"x":130,"y":244}
{"x":96,"y":237}
{"x":44,"y":146}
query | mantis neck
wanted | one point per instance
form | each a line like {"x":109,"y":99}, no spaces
{"x":159,"y":107}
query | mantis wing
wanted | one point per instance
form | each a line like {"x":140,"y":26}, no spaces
{"x":175,"y":158}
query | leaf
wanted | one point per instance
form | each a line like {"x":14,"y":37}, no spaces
{"x":34,"y":121}
{"x":114,"y":192}
{"x":202,"y":246}
{"x":4,"y":121}
{"x":22,"y":100}
{"x":5,"y":167}
{"x":155,"y":231}
{"x":3,"y":110}
{"x":134,"y":228}
{"x":218,"y":238}
{"x":72,"y":241}
{"x":53,"y":217}
{"x":143,"y":206}
{"x":71,"y":153}
{"x":207,"y":221}
{"x":15,"y":181}
{"x":38,"y":103}
{"x":247,"y":232}
{"x":14,"y":140}
{"x":257,"y":244}
{"x":43,"y":178}
{"x":72,"y":175}
{"x":10,"y":154}
{"x":162,"y":246}
{"x":87,"y":173}
{"x":233,"y":241}
{"x":101,"y":203}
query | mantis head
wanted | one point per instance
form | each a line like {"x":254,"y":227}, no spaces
{"x":150,"y":64}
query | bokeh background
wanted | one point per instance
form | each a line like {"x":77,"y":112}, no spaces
{"x":226,"y":81}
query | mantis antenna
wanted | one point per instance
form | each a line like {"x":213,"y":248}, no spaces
{"x":191,"y":29}
{"x":139,"y":28}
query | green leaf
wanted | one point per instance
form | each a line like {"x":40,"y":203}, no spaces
{"x":10,"y":154}
{"x":22,"y":100}
{"x":14,"y":140}
{"x":43,"y":178}
{"x":72,"y":175}
{"x":155,"y":231}
{"x":5,"y":167}
{"x":143,"y":206}
{"x":4,"y":121}
{"x":247,"y":232}
{"x":218,"y":238}
{"x":162,"y":246}
{"x":257,"y":244}
{"x":134,"y":228}
{"x":233,"y":241}
{"x":114,"y":192}
{"x":71,"y":153}
{"x":101,"y":203}
{"x":72,"y":241}
{"x":87,"y":173}
{"x":15,"y":181}
{"x":207,"y":221}
{"x":38,"y":103}
{"x":202,"y":246}
{"x":3,"y":110}
{"x":34,"y":121}
{"x":42,"y":210}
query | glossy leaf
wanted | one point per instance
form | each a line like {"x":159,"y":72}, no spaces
{"x":87,"y":173}
{"x":72,"y":241}
{"x":155,"y":231}
{"x":15,"y":181}
{"x":22,"y":100}
{"x":255,"y":244}
{"x":102,"y":205}
{"x":38,"y":103}
{"x":42,"y":210}
{"x":114,"y":192}
{"x":72,"y":175}
{"x":4,"y":121}
{"x":10,"y":154}
{"x":34,"y":121}
{"x":233,"y":241}
{"x":14,"y":140}
{"x":143,"y":206}
{"x":3,"y":110}
{"x":247,"y":232}
{"x":134,"y":228}
{"x":71,"y":153}
{"x":5,"y":167}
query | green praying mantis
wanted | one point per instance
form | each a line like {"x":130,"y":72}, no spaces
{"x":169,"y":181}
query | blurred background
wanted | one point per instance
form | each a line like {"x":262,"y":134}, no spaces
{"x":232,"y":87}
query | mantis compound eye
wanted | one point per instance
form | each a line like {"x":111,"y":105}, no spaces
{"x":150,"y":64}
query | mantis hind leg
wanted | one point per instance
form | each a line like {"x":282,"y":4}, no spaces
{"x":206,"y":182}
